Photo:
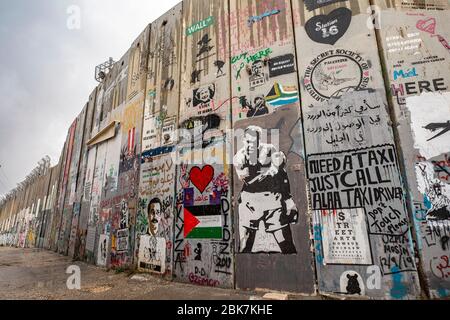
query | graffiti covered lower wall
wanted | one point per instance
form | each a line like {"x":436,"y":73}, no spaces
{"x":291,"y":145}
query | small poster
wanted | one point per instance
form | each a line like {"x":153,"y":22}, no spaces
{"x":122,"y":240}
{"x":152,"y":254}
{"x":345,"y":237}
{"x":281,"y":65}
{"x":102,"y":254}
{"x":90,"y":239}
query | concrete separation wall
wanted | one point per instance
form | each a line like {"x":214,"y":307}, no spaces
{"x":289,"y":145}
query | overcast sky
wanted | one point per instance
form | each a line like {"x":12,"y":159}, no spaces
{"x":47,"y":70}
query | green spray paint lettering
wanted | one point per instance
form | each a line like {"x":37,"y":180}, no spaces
{"x":200,"y":26}
{"x":246,"y":58}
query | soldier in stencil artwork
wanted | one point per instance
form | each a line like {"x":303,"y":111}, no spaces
{"x":266,"y":195}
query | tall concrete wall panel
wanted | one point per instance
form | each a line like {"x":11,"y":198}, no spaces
{"x":155,"y":215}
{"x":414,"y":40}
{"x":83,"y":190}
{"x":203,"y":244}
{"x":270,"y":201}
{"x":124,"y":212}
{"x":361,"y":227}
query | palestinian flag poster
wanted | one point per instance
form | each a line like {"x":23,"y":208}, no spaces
{"x":203,"y":222}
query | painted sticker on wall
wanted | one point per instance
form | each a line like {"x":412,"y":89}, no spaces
{"x":102,"y":254}
{"x":316,"y":4}
{"x":152,"y":254}
{"x":352,"y":283}
{"x":328,"y":29}
{"x":122,"y":244}
{"x":335,"y":72}
{"x":430,"y":122}
{"x":203,"y":24}
{"x":203,"y":98}
{"x":281,"y":65}
{"x":203,"y":222}
{"x":345,"y":237}
{"x":282,"y":95}
{"x":436,"y":193}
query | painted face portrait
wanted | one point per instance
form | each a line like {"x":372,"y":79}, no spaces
{"x":251,"y":144}
{"x":154,"y":216}
{"x":257,"y":67}
{"x":203,"y":95}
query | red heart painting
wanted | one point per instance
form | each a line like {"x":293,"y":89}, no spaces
{"x":428,"y":25}
{"x":201,"y":178}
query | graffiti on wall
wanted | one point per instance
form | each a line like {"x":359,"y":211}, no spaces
{"x":335,"y":72}
{"x":155,"y":216}
{"x":203,"y":253}
{"x":265,"y":202}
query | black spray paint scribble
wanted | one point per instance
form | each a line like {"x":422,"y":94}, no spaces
{"x":198,"y":127}
{"x":195,"y":76}
{"x":204,"y":46}
{"x":266,"y":197}
{"x":219,"y":64}
{"x":169,"y":84}
{"x":433,"y":127}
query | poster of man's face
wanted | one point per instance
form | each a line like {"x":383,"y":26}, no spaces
{"x":251,"y":145}
{"x":154,"y":216}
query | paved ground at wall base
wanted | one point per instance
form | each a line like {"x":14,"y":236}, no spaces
{"x":39,"y":274}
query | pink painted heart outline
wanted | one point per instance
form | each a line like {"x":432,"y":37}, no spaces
{"x":426,"y":26}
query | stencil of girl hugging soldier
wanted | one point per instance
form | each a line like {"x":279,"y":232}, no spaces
{"x":266,"y":195}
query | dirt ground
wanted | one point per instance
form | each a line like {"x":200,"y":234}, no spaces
{"x":34,"y":274}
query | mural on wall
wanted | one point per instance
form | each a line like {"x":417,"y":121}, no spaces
{"x":102,"y":251}
{"x":417,"y":68}
{"x":307,"y":102}
{"x":155,"y":217}
{"x":270,"y":208}
{"x":265,"y":197}
{"x":360,"y":223}
{"x":431,"y":130}
{"x":125,"y":202}
{"x":203,"y":251}
{"x":203,"y":234}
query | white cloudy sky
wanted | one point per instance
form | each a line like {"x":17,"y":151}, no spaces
{"x":46,"y":70}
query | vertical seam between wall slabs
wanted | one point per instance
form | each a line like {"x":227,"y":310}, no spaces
{"x":423,"y":285}
{"x":309,"y":213}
